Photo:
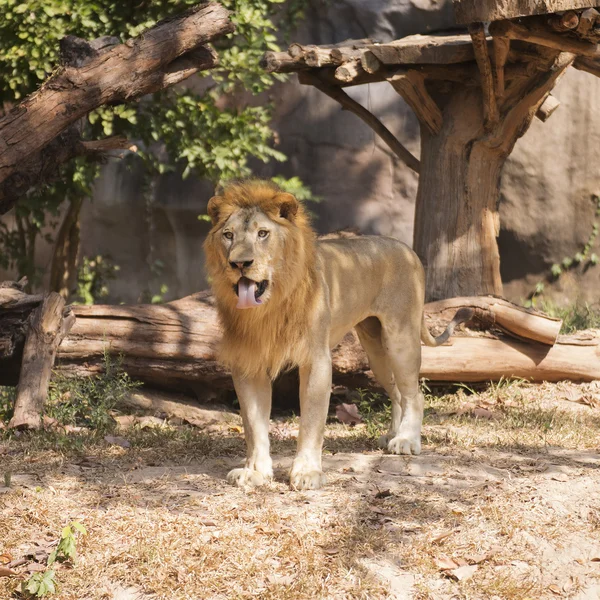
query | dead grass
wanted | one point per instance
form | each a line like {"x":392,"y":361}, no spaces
{"x":512,"y":489}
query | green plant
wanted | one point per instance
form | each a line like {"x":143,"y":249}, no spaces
{"x":87,"y":401}
{"x":67,"y":545}
{"x":44,"y":583}
{"x":93,"y":277}
{"x":375,"y":410}
{"x":212,"y":134}
{"x":7,"y":402}
{"x":584,"y":258}
{"x":575,"y":317}
{"x":40,"y":584}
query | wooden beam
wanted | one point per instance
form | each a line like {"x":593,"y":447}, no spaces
{"x":411,"y":86}
{"x":471,"y":11}
{"x":587,"y":20}
{"x":282,"y":62}
{"x":501,"y":51}
{"x":360,"y":111}
{"x":588,"y":65}
{"x":490,"y":107}
{"x":425,"y":49}
{"x":565,"y":22}
{"x":369,"y":61}
{"x":535,"y":34}
{"x":350,"y":71}
{"x":546,"y":110}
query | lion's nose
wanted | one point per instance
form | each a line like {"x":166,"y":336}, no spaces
{"x":241,"y":264}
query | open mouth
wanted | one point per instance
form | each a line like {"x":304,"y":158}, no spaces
{"x":249,"y":292}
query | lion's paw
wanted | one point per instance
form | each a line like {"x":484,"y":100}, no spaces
{"x":247,"y":477}
{"x":404,"y":444}
{"x":307,"y":480}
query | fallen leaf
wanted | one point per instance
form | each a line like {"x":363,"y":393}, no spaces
{"x":555,"y":589}
{"x":463,"y":573}
{"x":483,"y":413}
{"x":383,"y":494}
{"x":146,"y":422}
{"x":331,"y":551}
{"x":125,"y":421}
{"x":5,"y":558}
{"x":36,"y":568}
{"x":588,"y":399}
{"x":560,"y":477}
{"x":442,"y":536}
{"x":6,"y":572}
{"x":348,"y":414}
{"x":475,"y":559}
{"x":235,"y":429}
{"x":117,"y":440}
{"x":445,"y":563}
{"x":207,"y":522}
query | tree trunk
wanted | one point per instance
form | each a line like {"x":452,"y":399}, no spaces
{"x":63,"y":272}
{"x":456,"y":221}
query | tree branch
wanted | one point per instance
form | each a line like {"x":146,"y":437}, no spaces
{"x":35,"y":136}
{"x":360,"y":111}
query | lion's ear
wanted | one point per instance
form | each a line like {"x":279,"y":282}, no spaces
{"x":288,"y":205}
{"x":213,"y":208}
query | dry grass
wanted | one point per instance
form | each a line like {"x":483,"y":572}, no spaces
{"x":515,"y":491}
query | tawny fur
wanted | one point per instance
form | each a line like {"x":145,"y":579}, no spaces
{"x":274,"y":336}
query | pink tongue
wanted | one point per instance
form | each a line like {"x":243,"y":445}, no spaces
{"x":246,"y":290}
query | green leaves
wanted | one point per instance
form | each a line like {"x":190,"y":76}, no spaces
{"x":41,"y":584}
{"x":44,"y":583}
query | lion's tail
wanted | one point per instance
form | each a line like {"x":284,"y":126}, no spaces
{"x":462,"y":315}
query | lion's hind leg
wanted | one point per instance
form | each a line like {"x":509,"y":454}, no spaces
{"x":402,"y":346}
{"x":370,"y":335}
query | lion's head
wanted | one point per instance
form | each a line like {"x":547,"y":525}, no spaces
{"x":260,"y":255}
{"x":258,"y":244}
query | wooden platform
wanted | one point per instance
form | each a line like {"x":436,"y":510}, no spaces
{"x":471,"y":11}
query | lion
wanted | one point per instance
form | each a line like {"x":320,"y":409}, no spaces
{"x":285,"y":299}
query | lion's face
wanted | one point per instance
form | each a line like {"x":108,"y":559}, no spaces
{"x":257,"y":249}
{"x":253,"y":249}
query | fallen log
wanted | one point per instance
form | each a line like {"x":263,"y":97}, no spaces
{"x":174,"y":345}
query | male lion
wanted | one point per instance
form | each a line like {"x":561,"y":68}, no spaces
{"x":286,"y":299}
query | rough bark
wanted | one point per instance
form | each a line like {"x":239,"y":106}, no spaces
{"x":39,"y":134}
{"x":44,"y":334}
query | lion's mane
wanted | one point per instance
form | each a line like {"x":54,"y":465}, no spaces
{"x":273,"y":336}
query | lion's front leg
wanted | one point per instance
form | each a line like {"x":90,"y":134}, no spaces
{"x":254,"y":395}
{"x":315,"y":389}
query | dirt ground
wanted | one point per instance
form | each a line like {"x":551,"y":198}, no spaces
{"x":504,"y":502}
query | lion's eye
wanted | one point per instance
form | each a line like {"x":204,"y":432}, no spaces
{"x":228,"y":235}
{"x":263,"y":233}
